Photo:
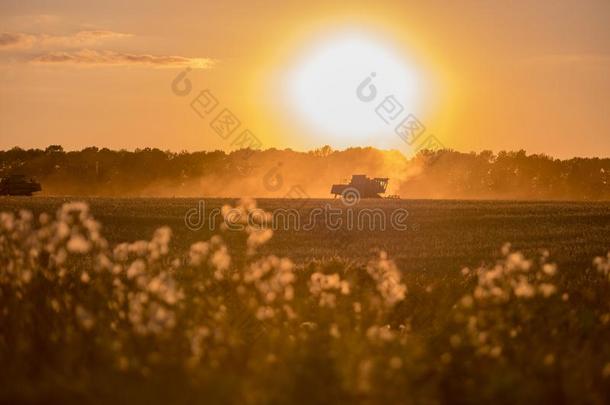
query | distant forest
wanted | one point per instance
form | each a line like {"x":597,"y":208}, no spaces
{"x":279,"y":173}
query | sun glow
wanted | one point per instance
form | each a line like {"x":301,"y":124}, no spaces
{"x":326,"y":89}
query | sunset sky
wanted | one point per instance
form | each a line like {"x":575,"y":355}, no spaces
{"x":531,"y":75}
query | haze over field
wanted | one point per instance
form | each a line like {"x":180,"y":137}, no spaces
{"x":276,"y":173}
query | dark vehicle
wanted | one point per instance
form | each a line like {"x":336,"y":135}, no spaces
{"x":18,"y":184}
{"x":360,"y":187}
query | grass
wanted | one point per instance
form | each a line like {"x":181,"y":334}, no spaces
{"x":443,"y":311}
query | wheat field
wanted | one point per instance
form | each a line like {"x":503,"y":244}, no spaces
{"x":140,"y":300}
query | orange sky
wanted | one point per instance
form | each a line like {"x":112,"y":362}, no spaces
{"x":492,"y":75}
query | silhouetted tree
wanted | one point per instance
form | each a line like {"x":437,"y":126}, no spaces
{"x":430,"y":174}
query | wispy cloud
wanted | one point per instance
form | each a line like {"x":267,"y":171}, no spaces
{"x":89,"y":57}
{"x":74,"y":50}
{"x":82,"y":38}
{"x":11,"y":41}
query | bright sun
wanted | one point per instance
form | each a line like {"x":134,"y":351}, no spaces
{"x":322,"y":88}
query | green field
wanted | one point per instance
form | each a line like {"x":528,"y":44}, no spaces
{"x":342,"y":322}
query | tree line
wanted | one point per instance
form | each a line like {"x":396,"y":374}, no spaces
{"x":429,"y":174}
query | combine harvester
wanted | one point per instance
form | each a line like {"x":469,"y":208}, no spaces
{"x":361,"y":187}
